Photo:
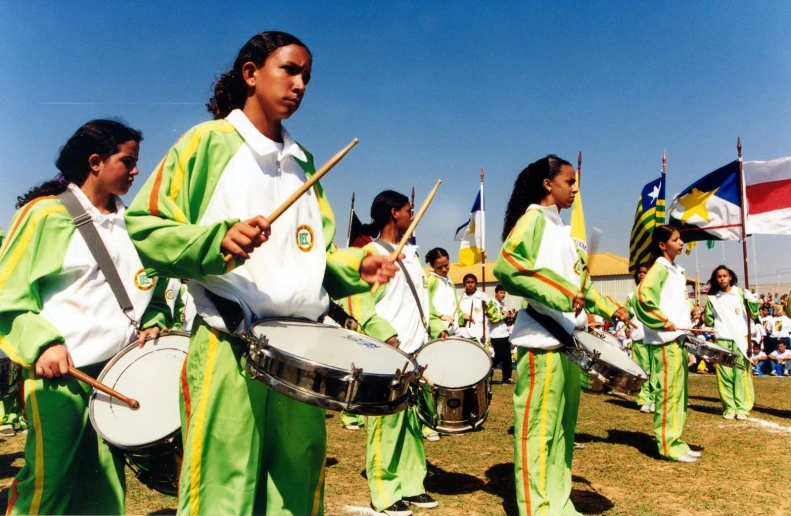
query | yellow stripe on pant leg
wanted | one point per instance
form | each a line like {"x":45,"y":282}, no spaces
{"x":200,"y":421}
{"x":378,"y":460}
{"x":748,"y":381}
{"x":38,"y":483}
{"x":674,"y":409}
{"x":542,"y":451}
{"x":317,"y":493}
{"x":720,"y":385}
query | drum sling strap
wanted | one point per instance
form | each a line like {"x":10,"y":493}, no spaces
{"x":84,"y":224}
{"x":552,"y":326}
{"x":412,"y":288}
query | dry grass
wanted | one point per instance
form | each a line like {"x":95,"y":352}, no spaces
{"x":617,"y":473}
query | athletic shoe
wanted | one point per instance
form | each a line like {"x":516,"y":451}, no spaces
{"x":397,"y":509}
{"x":742,"y":417}
{"x":432,"y":437}
{"x":508,"y":382}
{"x":423,"y":501}
{"x":7,"y":431}
{"x":729,"y":416}
{"x":695,"y":454}
{"x":579,"y":446}
{"x":773,"y":373}
{"x":646,"y":409}
{"x":653,"y":408}
{"x":785,"y":373}
{"x":688,"y":459}
{"x":352,"y":426}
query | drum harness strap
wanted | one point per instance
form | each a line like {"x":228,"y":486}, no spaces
{"x":553,"y":327}
{"x":412,"y":288}
{"x":83,"y":221}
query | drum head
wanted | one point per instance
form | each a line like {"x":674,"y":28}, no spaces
{"x":331,"y":346}
{"x":151,"y":376}
{"x":609,"y":353}
{"x":454,"y":362}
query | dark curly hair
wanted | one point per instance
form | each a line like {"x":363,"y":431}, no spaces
{"x":714,"y":286}
{"x":528,"y":189}
{"x":436,"y":254}
{"x":380,"y":211}
{"x":230,"y":90}
{"x":102,"y":137}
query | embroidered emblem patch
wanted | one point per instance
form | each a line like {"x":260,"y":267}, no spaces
{"x":170,"y":294}
{"x":142,"y":281}
{"x":738,"y":311}
{"x":305,"y":238}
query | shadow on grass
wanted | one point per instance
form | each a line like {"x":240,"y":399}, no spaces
{"x":705,"y":398}
{"x":622,"y":403}
{"x":773,"y":411}
{"x":331,"y":461}
{"x":590,"y":500}
{"x":642,"y":442}
{"x":162,"y":512}
{"x":449,"y":482}
{"x":500,"y":482}
{"x":707,"y":409}
{"x":7,"y":472}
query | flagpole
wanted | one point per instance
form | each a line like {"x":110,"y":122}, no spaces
{"x":744,"y":240}
{"x":483,"y":259}
{"x":412,"y":202}
{"x":579,"y":170}
{"x":351,"y":216}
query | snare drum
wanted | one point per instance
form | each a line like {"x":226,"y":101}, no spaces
{"x":453,"y":395}
{"x":150,"y":437}
{"x":711,"y":352}
{"x":330,"y":367}
{"x":603,"y":361}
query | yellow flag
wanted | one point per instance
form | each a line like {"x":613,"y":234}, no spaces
{"x":578,"y":222}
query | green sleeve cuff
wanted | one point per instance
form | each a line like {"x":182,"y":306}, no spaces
{"x":342,"y":275}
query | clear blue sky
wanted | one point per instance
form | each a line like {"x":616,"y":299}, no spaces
{"x":432,"y":90}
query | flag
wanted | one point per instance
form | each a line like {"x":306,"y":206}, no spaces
{"x":710,"y":208}
{"x":650,"y":213}
{"x":471,"y":236}
{"x":768,"y":189}
{"x":356,"y":237}
{"x":578,"y":222}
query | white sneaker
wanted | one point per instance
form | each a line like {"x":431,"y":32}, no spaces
{"x":729,"y":416}
{"x":688,"y":459}
{"x":742,"y":417}
{"x":352,"y":427}
{"x":653,"y":408}
{"x":696,"y":454}
{"x":646,"y":409}
{"x":432,"y":437}
{"x":773,"y":373}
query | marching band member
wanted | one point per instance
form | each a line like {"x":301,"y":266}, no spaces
{"x":640,"y":351}
{"x":727,"y":311}
{"x":540,"y":262}
{"x":395,"y":455}
{"x":499,"y":335}
{"x":475,"y":307}
{"x":58,"y":310}
{"x":441,"y":289}
{"x":247,"y":449}
{"x":662,"y":307}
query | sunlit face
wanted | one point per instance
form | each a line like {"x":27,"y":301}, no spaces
{"x":642,"y":271}
{"x":441,"y":266}
{"x":116,"y":174}
{"x":723,"y":279}
{"x":499,"y":295}
{"x":402,"y":217}
{"x":673,"y":246}
{"x":562,"y":189}
{"x":781,"y":347}
{"x":470,"y":285}
{"x":279,"y":84}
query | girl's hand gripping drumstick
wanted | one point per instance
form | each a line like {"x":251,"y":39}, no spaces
{"x":76,"y":373}
{"x":411,"y":229}
{"x":252,"y":233}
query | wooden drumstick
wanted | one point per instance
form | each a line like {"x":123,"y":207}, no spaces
{"x":411,"y":228}
{"x":76,"y":373}
{"x":304,"y":188}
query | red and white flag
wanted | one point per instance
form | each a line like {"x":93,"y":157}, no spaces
{"x":768,"y":189}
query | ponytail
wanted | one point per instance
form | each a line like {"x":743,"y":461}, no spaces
{"x":381,"y":211}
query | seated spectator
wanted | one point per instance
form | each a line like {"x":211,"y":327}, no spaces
{"x":781,"y":360}
{"x":759,"y":361}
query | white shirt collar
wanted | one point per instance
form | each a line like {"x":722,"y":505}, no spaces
{"x":91,"y":209}
{"x":678,"y":269}
{"x":734,"y":292}
{"x":260,"y":143}
{"x":550,"y":212}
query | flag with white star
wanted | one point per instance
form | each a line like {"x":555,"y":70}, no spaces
{"x":710,"y":208}
{"x":650,"y":213}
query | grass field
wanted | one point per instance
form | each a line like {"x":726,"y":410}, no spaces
{"x":744,"y":470}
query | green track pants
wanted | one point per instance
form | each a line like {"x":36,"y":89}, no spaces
{"x":641,"y":354}
{"x":68,"y":468}
{"x":247,"y":449}
{"x":352,"y":419}
{"x":735,"y":385}
{"x":546,"y":402}
{"x":669,"y":367}
{"x":395,"y":458}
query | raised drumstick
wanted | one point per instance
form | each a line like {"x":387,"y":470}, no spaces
{"x":304,"y":188}
{"x":76,"y":373}
{"x":411,"y":228}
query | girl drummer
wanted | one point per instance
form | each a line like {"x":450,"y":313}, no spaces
{"x":540,"y":262}
{"x":727,"y":311}
{"x":57,"y":310}
{"x":247,"y":449}
{"x":640,"y":351}
{"x":441,"y":289}
{"x":662,"y":307}
{"x":395,"y":456}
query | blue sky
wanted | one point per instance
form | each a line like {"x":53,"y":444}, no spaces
{"x":433,"y":90}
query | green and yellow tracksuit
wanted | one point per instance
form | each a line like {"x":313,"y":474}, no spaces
{"x":727,"y":313}
{"x":540,"y":262}
{"x":641,"y":354}
{"x":247,"y":448}
{"x":52,"y":292}
{"x":662,"y":297}
{"x":395,"y":455}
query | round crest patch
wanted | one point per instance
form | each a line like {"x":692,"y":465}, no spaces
{"x":305,"y":238}
{"x":170,"y":294}
{"x":142,"y":281}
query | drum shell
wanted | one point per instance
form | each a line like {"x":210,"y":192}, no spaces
{"x":610,"y":374}
{"x":157,"y":465}
{"x":712,"y":353}
{"x":453,"y":410}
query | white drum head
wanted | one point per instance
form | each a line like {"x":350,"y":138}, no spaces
{"x":454,"y":362}
{"x":609,"y":353}
{"x":331,"y":346}
{"x":151,"y":376}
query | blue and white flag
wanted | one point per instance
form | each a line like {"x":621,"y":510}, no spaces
{"x":471,"y":235}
